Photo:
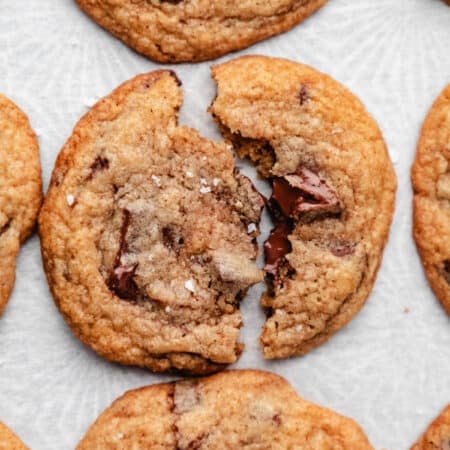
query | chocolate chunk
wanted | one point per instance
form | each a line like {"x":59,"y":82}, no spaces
{"x":277,"y":419}
{"x":100,"y":163}
{"x":171,"y":239}
{"x":293,"y":195}
{"x":277,"y":247}
{"x":172,"y":72}
{"x":341,"y":249}
{"x":302,"y":192}
{"x":121,"y":281}
{"x":304,"y":97}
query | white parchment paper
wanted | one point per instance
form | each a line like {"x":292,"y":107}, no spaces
{"x":389,"y":369}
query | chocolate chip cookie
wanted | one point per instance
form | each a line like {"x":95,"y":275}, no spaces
{"x":437,"y":437}
{"x":195,"y":30}
{"x":8,"y":440}
{"x":20,"y":191}
{"x":333,"y":190}
{"x":148,"y":233}
{"x":232,"y":410}
{"x":431,"y":183}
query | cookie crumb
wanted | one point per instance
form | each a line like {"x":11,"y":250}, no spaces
{"x":157,"y":180}
{"x":205,"y":190}
{"x":251,"y":228}
{"x":70,"y":200}
{"x":189,"y":285}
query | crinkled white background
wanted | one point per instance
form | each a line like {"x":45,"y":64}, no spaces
{"x":389,"y":370}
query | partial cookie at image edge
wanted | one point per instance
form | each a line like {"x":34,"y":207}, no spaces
{"x":437,"y":436}
{"x":175,"y":31}
{"x":430,"y":175}
{"x":9,"y":440}
{"x":233,"y":409}
{"x":21,"y":189}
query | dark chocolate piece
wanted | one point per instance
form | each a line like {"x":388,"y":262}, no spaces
{"x":277,"y":246}
{"x":121,"y":281}
{"x":302,"y":192}
{"x":172,"y":72}
{"x":304,"y":96}
{"x":293,"y":195}
{"x":100,"y":163}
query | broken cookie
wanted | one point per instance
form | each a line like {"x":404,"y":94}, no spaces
{"x":333,"y":190}
{"x":431,"y":183}
{"x":148,"y":233}
{"x":232,"y":410}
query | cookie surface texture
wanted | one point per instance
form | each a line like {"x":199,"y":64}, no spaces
{"x":431,"y":183}
{"x":237,"y":409}
{"x":195,"y":30}
{"x":437,"y":436}
{"x":8,"y":440}
{"x":20,"y":189}
{"x":333,"y":193}
{"x":148,"y":233}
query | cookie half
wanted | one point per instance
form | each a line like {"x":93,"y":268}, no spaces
{"x":237,"y":409}
{"x":437,"y":437}
{"x":333,"y":193}
{"x":195,"y":30}
{"x":431,"y":183}
{"x":8,"y":440}
{"x":20,"y":191}
{"x":148,"y":233}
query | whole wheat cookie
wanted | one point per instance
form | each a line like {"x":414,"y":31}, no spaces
{"x":195,"y":30}
{"x":232,"y":410}
{"x":148,"y":233}
{"x":437,"y":437}
{"x":8,"y":440}
{"x":20,"y":189}
{"x":333,"y":193}
{"x":431,"y":183}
